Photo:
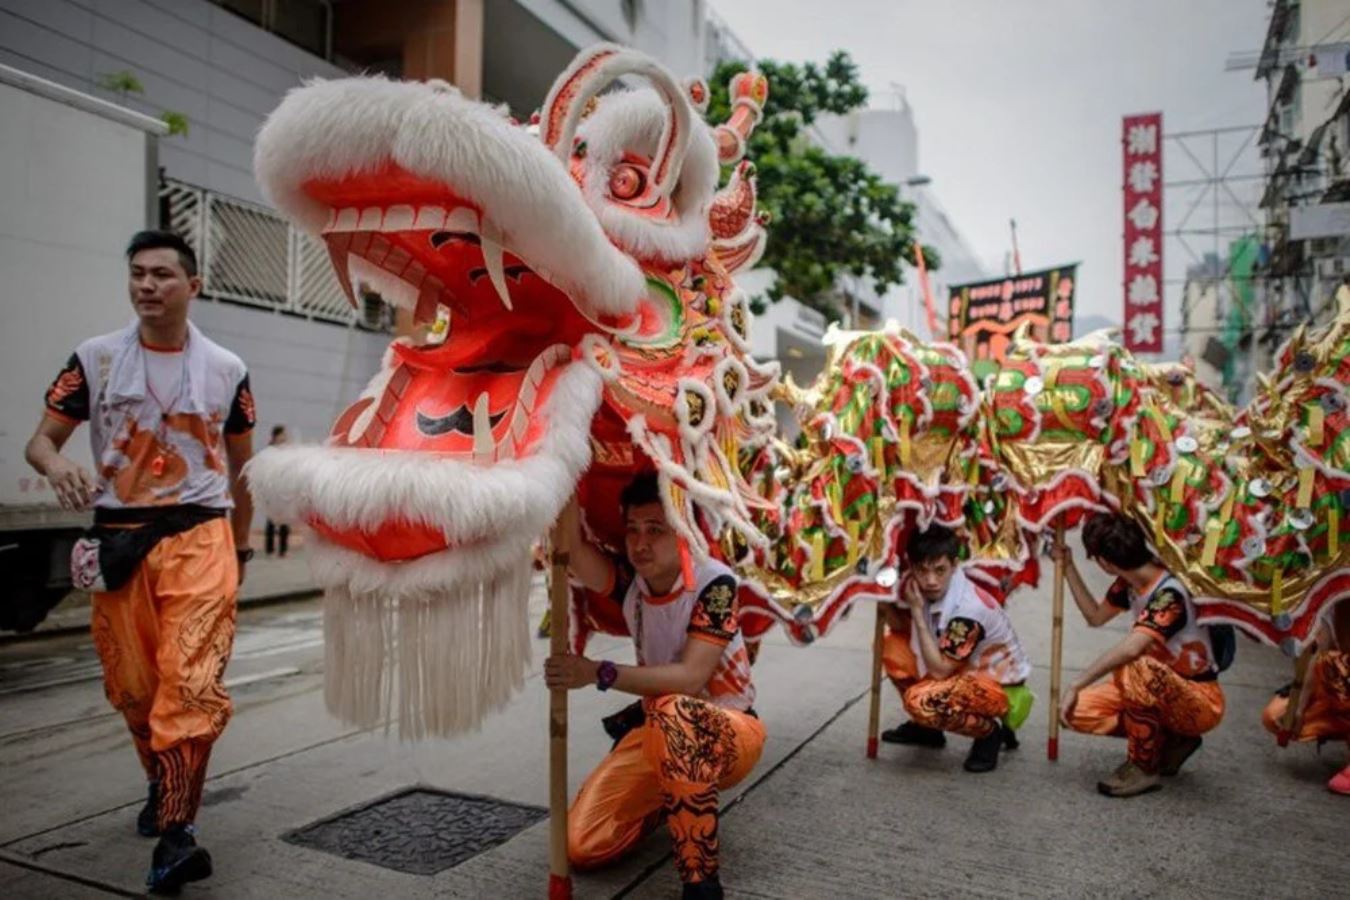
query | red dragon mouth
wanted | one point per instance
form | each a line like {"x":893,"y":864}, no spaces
{"x":437,"y":255}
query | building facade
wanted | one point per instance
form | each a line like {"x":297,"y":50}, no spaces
{"x":218,"y":67}
{"x":1305,"y":145}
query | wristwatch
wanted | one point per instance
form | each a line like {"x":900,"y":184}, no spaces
{"x":244,"y":555}
{"x":606,"y":674}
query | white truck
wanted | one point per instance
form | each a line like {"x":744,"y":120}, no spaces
{"x":78,"y":175}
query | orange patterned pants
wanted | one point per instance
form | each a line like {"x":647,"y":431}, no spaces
{"x":1326,"y":701}
{"x":671,"y":768}
{"x":1144,"y":701}
{"x":164,"y":639}
{"x":968,"y":704}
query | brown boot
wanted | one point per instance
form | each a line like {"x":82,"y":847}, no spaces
{"x":1129,"y":781}
{"x":1176,"y":751}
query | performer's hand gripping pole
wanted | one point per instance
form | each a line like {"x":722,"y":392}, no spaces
{"x":1056,"y":646}
{"x":560,"y":876}
{"x":874,"y":713}
{"x":1292,"y":721}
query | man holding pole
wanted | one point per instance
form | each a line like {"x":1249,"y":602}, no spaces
{"x":694,"y":732}
{"x":1321,"y":704}
{"x":952,"y":653}
{"x":1164,"y":691}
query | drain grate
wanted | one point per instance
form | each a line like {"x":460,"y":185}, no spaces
{"x":419,"y":831}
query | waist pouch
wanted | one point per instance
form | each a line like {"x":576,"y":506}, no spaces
{"x":105,"y":556}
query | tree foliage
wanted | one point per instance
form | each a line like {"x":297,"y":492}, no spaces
{"x":830,"y":215}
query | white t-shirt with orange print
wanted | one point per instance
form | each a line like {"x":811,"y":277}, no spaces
{"x":661,"y":625}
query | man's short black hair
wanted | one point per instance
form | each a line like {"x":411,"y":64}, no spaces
{"x":155,"y":240}
{"x":278,"y":430}
{"x":935,"y":542}
{"x":643,"y":489}
{"x":1117,"y":539}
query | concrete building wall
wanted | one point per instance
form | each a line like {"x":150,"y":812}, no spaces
{"x":192,"y":57}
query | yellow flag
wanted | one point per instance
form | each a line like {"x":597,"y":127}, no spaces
{"x":1179,"y":480}
{"x":852,"y":542}
{"x":878,"y":455}
{"x":1316,"y":425}
{"x":818,"y":556}
{"x":1137,"y":458}
{"x":1226,"y":512}
{"x":904,"y":440}
{"x":1305,"y":486}
{"x":1213,"y":531}
{"x":1276,"y":591}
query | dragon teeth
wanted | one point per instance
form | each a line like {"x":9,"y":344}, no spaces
{"x":492,"y":260}
{"x":392,"y":289}
{"x":482,"y":430}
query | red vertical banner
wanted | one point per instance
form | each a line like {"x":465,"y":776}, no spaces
{"x":1141,"y":141}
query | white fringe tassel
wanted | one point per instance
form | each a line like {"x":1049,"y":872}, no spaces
{"x":437,"y":661}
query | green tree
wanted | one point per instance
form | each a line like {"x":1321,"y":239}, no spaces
{"x":829,"y":215}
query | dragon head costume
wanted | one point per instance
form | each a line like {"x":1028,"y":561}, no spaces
{"x":570,"y":280}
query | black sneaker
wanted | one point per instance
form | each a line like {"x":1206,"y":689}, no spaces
{"x":915,"y":734}
{"x":707,"y":889}
{"x":147,"y":821}
{"x":1010,"y":741}
{"x":177,"y":860}
{"x":983,"y":755}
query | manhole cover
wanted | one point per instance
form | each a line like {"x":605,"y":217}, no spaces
{"x":418,"y":831}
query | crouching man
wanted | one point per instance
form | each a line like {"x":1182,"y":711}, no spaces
{"x":952,"y":653}
{"x":694,"y":733}
{"x":1163,"y":692}
{"x":1324,"y":702}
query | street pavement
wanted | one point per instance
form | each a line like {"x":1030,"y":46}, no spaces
{"x":815,"y":819}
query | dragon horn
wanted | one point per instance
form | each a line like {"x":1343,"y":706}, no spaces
{"x":590,"y":73}
{"x":748,"y":91}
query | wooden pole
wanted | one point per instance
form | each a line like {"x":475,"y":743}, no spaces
{"x":560,"y":876}
{"x":874,"y":713}
{"x":1293,"y":714}
{"x":1056,"y":647}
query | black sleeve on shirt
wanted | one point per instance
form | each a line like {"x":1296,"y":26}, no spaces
{"x":1165,"y":614}
{"x":960,"y":638}
{"x":715,"y":614}
{"x":1118,"y":594}
{"x":68,"y":396}
{"x":242,"y":415}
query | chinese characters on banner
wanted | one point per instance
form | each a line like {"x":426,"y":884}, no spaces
{"x":1141,"y":139}
{"x":984,"y":315}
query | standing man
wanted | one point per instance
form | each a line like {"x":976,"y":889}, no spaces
{"x":1164,"y":690}
{"x":952,"y":653}
{"x":1324,"y":702}
{"x":276,"y":534}
{"x":170,"y":419}
{"x":694,"y":733}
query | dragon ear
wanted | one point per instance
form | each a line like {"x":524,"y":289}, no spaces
{"x":749,"y":91}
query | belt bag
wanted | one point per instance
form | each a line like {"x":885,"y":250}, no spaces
{"x":104,"y":557}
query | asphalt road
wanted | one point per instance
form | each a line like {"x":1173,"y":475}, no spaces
{"x":815,"y":819}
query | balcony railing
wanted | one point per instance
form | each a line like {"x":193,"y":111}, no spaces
{"x":249,"y":254}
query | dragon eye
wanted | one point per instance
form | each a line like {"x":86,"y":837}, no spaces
{"x":627,"y":181}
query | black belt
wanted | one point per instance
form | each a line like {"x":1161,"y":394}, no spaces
{"x":144,"y":515}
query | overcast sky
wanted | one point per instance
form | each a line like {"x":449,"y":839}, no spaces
{"x":1018,"y":105}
